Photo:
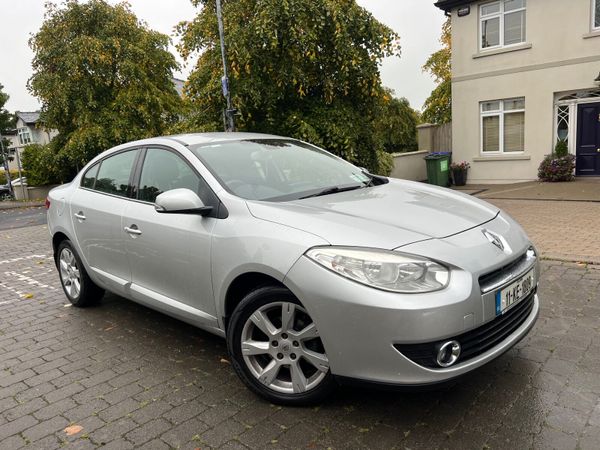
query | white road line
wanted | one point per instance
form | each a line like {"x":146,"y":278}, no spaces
{"x":29,"y":280}
{"x":23,"y":258}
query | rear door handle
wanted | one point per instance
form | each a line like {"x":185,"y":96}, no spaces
{"x":133,"y":229}
{"x":80,"y":215}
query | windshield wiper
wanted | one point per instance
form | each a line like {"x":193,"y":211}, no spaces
{"x":334,"y":190}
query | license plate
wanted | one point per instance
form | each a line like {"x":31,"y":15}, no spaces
{"x":515,"y":292}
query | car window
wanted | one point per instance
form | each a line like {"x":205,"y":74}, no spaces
{"x":114,"y":173}
{"x":163,"y":171}
{"x":276,"y":169}
{"x":89,"y":178}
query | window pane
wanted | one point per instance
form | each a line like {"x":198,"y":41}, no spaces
{"x":491,"y":134}
{"x":490,"y":33}
{"x":597,"y":19}
{"x":490,"y":8}
{"x":514,"y":28}
{"x":562,"y":126}
{"x":163,"y":171}
{"x":113,"y":175}
{"x":514,"y":132}
{"x":490,"y":106}
{"x":513,"y":104}
{"x":511,"y":5}
{"x":90,"y":176}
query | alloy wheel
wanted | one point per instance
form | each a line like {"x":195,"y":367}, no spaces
{"x":282,"y":348}
{"x":69,"y":273}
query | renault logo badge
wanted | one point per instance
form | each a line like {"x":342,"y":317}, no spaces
{"x":494,"y":239}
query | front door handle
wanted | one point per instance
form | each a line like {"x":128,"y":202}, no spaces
{"x":80,"y":216}
{"x":133,"y":229}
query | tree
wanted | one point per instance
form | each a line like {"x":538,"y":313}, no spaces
{"x":7,"y":123}
{"x":397,"y":124}
{"x":438,"y":107}
{"x":103,"y":78}
{"x":302,"y":68}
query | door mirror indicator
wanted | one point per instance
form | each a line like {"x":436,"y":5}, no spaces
{"x":181,"y":201}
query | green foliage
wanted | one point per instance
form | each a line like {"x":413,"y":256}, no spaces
{"x":7,"y":122}
{"x":397,"y":124}
{"x":562,"y":148}
{"x":438,"y":107}
{"x":103,"y":78}
{"x":554,"y":168}
{"x":14,"y":174}
{"x":44,"y":165}
{"x":301,"y":68}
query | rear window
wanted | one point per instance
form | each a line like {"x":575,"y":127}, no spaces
{"x":111,"y":175}
{"x":89,"y":178}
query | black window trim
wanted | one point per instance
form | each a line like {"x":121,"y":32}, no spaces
{"x":99,"y":164}
{"x":219,"y":209}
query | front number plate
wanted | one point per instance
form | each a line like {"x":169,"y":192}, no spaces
{"x":515,"y":292}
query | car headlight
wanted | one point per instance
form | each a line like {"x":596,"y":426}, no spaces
{"x":381,"y":269}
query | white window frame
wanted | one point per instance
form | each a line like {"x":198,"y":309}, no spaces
{"x":497,"y":113}
{"x":594,"y":27}
{"x":500,"y":15}
{"x":25,"y":132}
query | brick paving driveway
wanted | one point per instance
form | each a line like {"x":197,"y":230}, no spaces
{"x":131,"y":377}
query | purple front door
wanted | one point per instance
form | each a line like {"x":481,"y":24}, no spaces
{"x":588,"y":140}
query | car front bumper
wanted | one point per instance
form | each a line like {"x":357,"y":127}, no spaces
{"x":361,"y":327}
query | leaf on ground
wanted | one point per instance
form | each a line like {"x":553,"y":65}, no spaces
{"x":28,"y":296}
{"x":225,"y":361}
{"x":67,"y":305}
{"x":109,"y":328}
{"x":73,"y":429}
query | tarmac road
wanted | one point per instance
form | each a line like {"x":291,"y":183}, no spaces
{"x":22,"y":217}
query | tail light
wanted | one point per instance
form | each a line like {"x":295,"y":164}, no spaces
{"x":47,"y":202}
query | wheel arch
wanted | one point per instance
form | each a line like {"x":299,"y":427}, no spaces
{"x":57,"y":239}
{"x":241,"y":286}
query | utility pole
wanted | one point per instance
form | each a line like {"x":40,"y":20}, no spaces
{"x":5,"y":163}
{"x":229,"y":113}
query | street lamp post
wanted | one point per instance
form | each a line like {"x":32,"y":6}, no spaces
{"x":229,"y":113}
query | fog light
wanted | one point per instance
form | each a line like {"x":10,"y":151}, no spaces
{"x":448,"y":353}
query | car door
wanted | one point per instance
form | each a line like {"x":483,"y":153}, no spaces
{"x":96,"y":209}
{"x":170,"y":254}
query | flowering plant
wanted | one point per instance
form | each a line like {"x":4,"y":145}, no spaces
{"x":557,"y":168}
{"x":462,"y":166}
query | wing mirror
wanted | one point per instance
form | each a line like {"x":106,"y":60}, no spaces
{"x":181,"y":201}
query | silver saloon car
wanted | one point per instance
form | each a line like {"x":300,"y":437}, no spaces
{"x":314,"y":270}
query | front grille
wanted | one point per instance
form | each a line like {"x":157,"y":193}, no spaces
{"x":514,"y":269}
{"x":474,"y":342}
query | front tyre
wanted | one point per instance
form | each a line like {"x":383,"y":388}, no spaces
{"x":276,"y":349}
{"x":77,"y":285}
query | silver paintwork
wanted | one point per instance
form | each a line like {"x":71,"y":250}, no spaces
{"x":183,"y":265}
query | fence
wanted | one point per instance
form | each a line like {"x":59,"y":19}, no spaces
{"x":435,"y":138}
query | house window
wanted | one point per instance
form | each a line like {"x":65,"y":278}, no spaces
{"x":502,"y":23}
{"x":24,"y":136}
{"x":596,"y":14}
{"x":503,"y":126}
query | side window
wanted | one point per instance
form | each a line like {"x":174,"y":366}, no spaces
{"x":163,"y":171}
{"x":114,"y":173}
{"x":89,"y":178}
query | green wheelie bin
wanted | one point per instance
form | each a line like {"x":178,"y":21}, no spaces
{"x":438,"y":168}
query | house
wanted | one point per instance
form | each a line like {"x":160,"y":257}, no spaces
{"x":524,"y":74}
{"x":29,"y":130}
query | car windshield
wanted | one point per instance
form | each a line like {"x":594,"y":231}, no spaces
{"x":278,"y":170}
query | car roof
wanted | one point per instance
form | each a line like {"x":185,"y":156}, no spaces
{"x":205,"y":138}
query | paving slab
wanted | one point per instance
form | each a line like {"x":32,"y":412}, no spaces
{"x":134,"y":378}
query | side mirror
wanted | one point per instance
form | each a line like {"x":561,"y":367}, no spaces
{"x":181,"y":201}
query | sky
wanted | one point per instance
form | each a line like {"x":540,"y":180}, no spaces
{"x":417,"y":22}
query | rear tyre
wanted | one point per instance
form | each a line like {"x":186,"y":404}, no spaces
{"x":276,"y":350}
{"x":77,"y":285}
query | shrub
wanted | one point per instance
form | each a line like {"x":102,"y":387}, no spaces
{"x":42,"y":165}
{"x":554,"y":168}
{"x":14,"y":174}
{"x":385,"y":163}
{"x":561,"y":149}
